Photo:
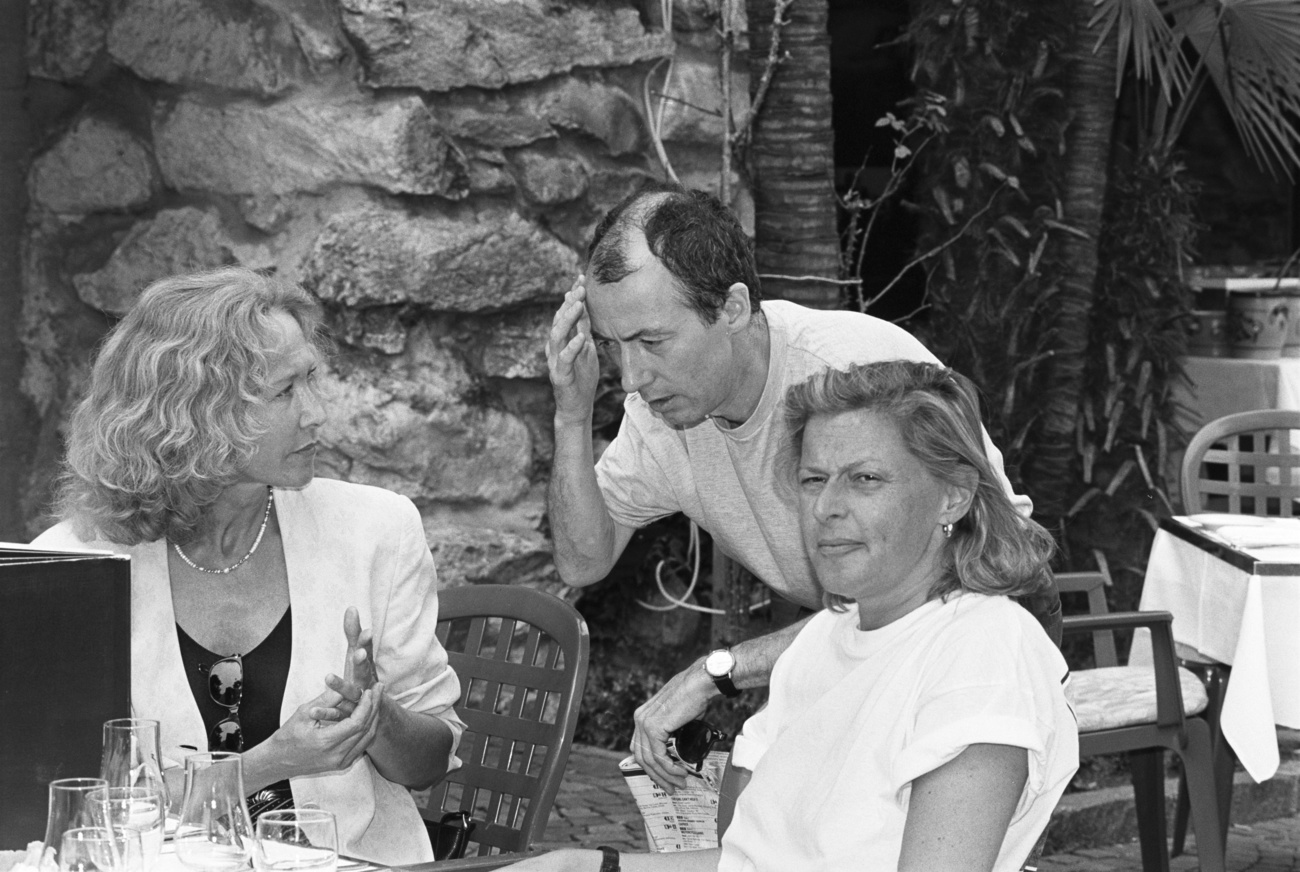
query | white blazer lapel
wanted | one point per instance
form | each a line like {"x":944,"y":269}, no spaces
{"x":158,"y":680}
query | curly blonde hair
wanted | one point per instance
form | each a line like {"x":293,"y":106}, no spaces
{"x":993,"y":549}
{"x":170,"y":415}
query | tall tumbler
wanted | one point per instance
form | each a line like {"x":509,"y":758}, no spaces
{"x":68,"y":809}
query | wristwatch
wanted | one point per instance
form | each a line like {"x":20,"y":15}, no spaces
{"x":608,"y":859}
{"x":719,"y":665}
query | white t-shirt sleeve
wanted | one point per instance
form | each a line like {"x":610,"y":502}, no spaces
{"x":983,"y":688}
{"x":634,"y":482}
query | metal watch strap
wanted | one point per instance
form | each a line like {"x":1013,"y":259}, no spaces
{"x":609,"y":860}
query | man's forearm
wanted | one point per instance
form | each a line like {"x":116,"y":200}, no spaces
{"x":583,"y":532}
{"x":756,"y":657}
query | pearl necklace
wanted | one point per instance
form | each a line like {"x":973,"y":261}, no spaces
{"x":270,"y":498}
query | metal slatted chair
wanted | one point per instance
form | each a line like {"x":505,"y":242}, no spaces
{"x":521,"y":656}
{"x":1142,"y":712}
{"x":1244,"y":464}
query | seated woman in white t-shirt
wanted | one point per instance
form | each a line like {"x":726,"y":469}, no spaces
{"x":919,"y":722}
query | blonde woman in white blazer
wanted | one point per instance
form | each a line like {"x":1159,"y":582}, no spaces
{"x":193,"y":452}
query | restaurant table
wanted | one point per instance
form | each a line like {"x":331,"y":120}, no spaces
{"x":1235,"y":598}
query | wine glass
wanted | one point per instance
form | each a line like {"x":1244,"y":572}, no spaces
{"x":138,"y":808}
{"x":132,"y":755}
{"x":296,"y":840}
{"x":214,"y":833}
{"x":100,"y":849}
{"x":68,"y":808}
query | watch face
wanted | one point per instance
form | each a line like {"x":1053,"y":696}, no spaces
{"x":719,"y":663}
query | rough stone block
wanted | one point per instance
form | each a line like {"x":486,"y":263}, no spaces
{"x":174,"y":241}
{"x":549,"y":179}
{"x":237,"y":46}
{"x":380,"y":329}
{"x":526,"y":114}
{"x":458,"y":260}
{"x":491,"y":119}
{"x":693,"y":108}
{"x":47,"y":325}
{"x":403,"y":430}
{"x":602,"y":110}
{"x":65,"y":37}
{"x":439,"y":45}
{"x":477,"y":555}
{"x":305,"y":144}
{"x":488,"y":175}
{"x":514,"y":343}
{"x":96,"y":166}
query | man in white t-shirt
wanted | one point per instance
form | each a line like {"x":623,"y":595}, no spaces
{"x":672,"y":294}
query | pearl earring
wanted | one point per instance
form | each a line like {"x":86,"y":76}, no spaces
{"x":947,"y":531}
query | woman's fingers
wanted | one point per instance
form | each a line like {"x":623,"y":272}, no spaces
{"x":352,"y":626}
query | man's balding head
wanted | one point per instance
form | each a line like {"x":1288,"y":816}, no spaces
{"x":693,"y":234}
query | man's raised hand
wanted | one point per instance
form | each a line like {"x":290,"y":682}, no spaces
{"x":571,"y":357}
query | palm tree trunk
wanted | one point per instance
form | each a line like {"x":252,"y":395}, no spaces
{"x":790,"y":160}
{"x":1091,"y":95}
{"x":791,"y":157}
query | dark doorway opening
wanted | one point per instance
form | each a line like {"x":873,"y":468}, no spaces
{"x":870,"y":61}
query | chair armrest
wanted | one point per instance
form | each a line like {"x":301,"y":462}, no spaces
{"x":1169,"y":692}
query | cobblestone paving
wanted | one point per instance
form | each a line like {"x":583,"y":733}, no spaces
{"x":595,"y":808}
{"x":1269,"y":846}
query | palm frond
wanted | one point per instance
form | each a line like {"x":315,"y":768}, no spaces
{"x":1250,"y":50}
{"x":1144,"y":33}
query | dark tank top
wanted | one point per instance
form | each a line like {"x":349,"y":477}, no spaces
{"x":266,"y":673}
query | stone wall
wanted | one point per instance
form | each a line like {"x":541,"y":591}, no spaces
{"x":430,"y":169}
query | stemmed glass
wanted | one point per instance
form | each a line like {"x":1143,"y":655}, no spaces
{"x":68,"y":808}
{"x":214,"y":833}
{"x":296,"y":840}
{"x":99,"y":849}
{"x":141,"y":809}
{"x":132,"y":755}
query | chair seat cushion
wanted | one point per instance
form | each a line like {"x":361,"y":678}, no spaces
{"x":1122,"y":696}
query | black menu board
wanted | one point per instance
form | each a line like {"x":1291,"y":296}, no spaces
{"x":65,"y":668}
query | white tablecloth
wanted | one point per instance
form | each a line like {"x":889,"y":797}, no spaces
{"x":1251,"y":622}
{"x":1223,"y":386}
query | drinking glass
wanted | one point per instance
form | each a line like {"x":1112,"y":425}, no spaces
{"x":214,"y":833}
{"x":137,"y":808}
{"x":68,"y":808}
{"x":132,"y":755}
{"x":296,"y":840}
{"x":99,"y":849}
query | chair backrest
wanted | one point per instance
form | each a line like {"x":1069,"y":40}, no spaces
{"x":521,"y":656}
{"x":1244,"y":464}
{"x":1093,"y":584}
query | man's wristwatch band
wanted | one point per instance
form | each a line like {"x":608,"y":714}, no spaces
{"x":609,"y":859}
{"x":718,"y":666}
{"x":726,"y":686}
